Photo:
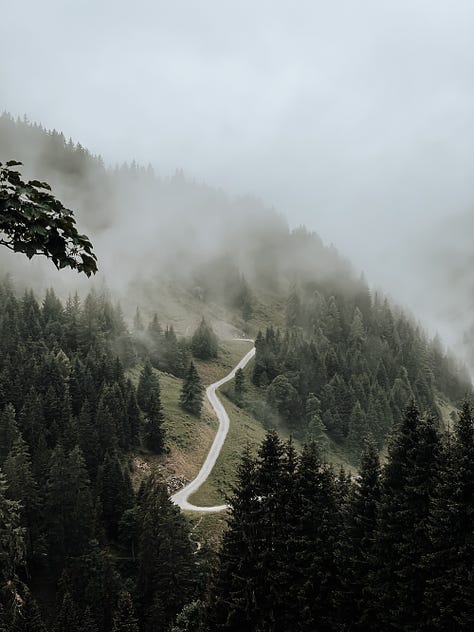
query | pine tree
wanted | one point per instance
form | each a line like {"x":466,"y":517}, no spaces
{"x":69,"y":618}
{"x":293,"y":309}
{"x":29,"y":618}
{"x":401,"y":539}
{"x":153,"y":432}
{"x":275,"y":484}
{"x":114,"y":493}
{"x":12,"y":544}
{"x":88,"y":438}
{"x":124,"y":617}
{"x":137,"y":321}
{"x":166,"y":565}
{"x":204,"y":343}
{"x":283,"y":399}
{"x":8,"y":431}
{"x":33,"y":426}
{"x":24,"y":489}
{"x":316,"y":430}
{"x":147,"y":385}
{"x":449,"y":597}
{"x":233,"y":605}
{"x":95,"y":585}
{"x":358,"y":430}
{"x":88,"y":622}
{"x":315,"y":581}
{"x":69,"y":511}
{"x":358,"y":540}
{"x":169,"y":357}
{"x":106,"y":422}
{"x":133,"y":415}
{"x":239,"y":386}
{"x":156,"y":340}
{"x":191,"y":397}
{"x":12,"y":558}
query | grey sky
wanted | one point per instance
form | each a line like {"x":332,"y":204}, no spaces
{"x":353,"y":117}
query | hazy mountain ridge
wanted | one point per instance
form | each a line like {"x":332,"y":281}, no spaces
{"x":333,"y":362}
{"x":142,"y":224}
{"x":239,"y":254}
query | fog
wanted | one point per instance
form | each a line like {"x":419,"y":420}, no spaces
{"x":354,"y":118}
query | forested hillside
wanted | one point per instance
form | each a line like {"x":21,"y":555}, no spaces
{"x":336,"y":366}
{"x":72,"y":528}
{"x":310,"y":549}
{"x":346,"y":365}
{"x":142,"y":225}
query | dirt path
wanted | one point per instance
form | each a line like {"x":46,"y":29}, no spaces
{"x":181,"y":497}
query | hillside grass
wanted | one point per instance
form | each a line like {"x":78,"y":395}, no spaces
{"x":188,"y":438}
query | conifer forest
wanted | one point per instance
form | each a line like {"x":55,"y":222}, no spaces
{"x":236,"y":325}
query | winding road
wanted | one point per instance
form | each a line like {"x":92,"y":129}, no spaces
{"x":181,"y":497}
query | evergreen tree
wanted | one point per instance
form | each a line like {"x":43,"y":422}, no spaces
{"x":192,"y":618}
{"x":204,"y":343}
{"x":29,"y":618}
{"x":69,"y":511}
{"x":133,"y":414}
{"x":23,"y":488}
{"x":153,"y":433}
{"x":315,"y":581}
{"x":124,"y":617}
{"x":12,"y":554}
{"x":293,"y":309}
{"x":69,"y":617}
{"x":88,"y":438}
{"x":137,"y":321}
{"x":401,"y":539}
{"x":316,"y":430}
{"x":12,"y":545}
{"x":166,"y":565}
{"x":233,"y":605}
{"x":275,"y":484}
{"x":95,"y":585}
{"x":358,"y":430}
{"x":449,"y":597}
{"x":283,"y":399}
{"x":8,"y":431}
{"x":239,"y":386}
{"x":115,"y":493}
{"x":191,"y":397}
{"x":357,"y":542}
{"x":147,"y":386}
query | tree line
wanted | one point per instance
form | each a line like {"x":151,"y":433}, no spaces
{"x":307,"y":548}
{"x":345,"y":365}
{"x":80,"y":548}
{"x":390,"y":548}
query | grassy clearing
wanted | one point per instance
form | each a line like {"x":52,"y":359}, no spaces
{"x":188,"y":439}
{"x":230,"y":353}
{"x":243,"y":430}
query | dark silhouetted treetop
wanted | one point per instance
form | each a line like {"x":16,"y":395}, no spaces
{"x":204,"y":342}
{"x":34,"y":222}
{"x":192,"y":392}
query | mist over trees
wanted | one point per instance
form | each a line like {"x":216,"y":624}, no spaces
{"x":81,"y":395}
{"x":70,"y":419}
{"x":346,"y":365}
{"x":238,"y":245}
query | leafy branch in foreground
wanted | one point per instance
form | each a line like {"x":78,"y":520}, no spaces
{"x":34,"y":222}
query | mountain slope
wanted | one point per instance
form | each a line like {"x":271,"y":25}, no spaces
{"x":331,"y":358}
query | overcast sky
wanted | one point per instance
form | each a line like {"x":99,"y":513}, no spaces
{"x":356,"y":118}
